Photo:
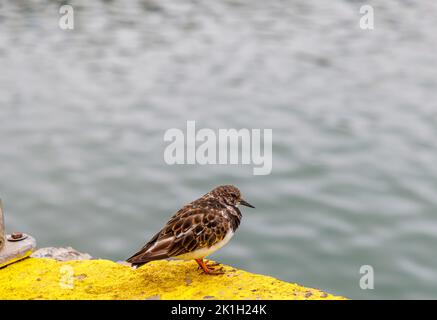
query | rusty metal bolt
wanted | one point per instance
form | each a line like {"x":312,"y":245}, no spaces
{"x":16,"y":235}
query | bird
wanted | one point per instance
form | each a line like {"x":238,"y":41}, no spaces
{"x":197,"y":230}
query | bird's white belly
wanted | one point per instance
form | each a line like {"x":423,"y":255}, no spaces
{"x":203,"y":252}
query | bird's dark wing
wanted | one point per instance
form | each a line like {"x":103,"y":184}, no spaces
{"x":193,"y":227}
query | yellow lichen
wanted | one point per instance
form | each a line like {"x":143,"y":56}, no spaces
{"x":36,"y":278}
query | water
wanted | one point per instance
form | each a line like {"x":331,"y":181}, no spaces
{"x":83,"y":115}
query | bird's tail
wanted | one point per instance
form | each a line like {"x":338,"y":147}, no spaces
{"x":139,"y":259}
{"x":135,"y":262}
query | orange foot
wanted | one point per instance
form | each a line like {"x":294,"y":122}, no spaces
{"x":212,"y":264}
{"x":209,"y":264}
{"x":211,"y":270}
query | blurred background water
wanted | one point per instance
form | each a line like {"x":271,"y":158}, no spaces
{"x":353,"y":112}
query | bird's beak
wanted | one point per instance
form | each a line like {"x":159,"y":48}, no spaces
{"x":247,"y":204}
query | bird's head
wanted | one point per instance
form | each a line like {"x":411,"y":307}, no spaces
{"x":230,"y":195}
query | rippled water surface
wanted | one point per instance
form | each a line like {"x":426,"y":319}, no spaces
{"x":354,"y":118}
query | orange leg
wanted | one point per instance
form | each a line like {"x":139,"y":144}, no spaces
{"x":206,"y":269}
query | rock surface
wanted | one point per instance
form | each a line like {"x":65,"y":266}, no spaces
{"x":61,"y":254}
{"x":102,"y":279}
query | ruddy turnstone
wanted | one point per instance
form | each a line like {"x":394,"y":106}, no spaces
{"x":197,"y":230}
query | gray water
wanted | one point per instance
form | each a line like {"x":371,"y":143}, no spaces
{"x":354,"y":117}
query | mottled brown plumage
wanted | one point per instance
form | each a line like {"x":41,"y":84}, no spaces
{"x":197,"y":229}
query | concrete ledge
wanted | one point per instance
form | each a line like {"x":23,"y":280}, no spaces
{"x":42,"y":278}
{"x":13,"y":251}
